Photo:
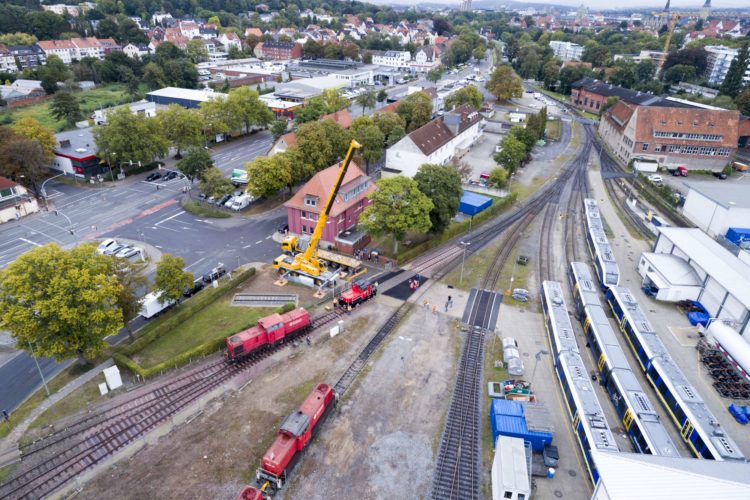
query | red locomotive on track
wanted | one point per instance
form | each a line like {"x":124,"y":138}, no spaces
{"x":295,"y":433}
{"x":270,"y":331}
{"x":358,"y":293}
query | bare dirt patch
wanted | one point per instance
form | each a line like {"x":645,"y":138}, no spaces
{"x":216,"y":454}
{"x":381,"y":444}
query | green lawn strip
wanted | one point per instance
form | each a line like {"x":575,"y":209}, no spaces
{"x":200,"y":210}
{"x":554,"y":130}
{"x":55,"y":384}
{"x":71,"y":404}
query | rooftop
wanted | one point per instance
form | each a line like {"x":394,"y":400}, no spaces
{"x":77,"y":143}
{"x":342,"y":117}
{"x":714,"y":259}
{"x":436,"y":134}
{"x":322,"y":184}
{"x":180,"y":93}
{"x":725,"y":194}
{"x":627,"y":95}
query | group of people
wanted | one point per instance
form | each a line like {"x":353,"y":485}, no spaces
{"x":364,"y":254}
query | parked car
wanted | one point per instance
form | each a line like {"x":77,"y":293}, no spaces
{"x":720,"y":175}
{"x":129,"y":252}
{"x":551,"y":455}
{"x":121,"y":252}
{"x":242,"y":202}
{"x":656,"y":179}
{"x":202,"y":196}
{"x":216,"y":273}
{"x":223,"y":199}
{"x":153,"y":176}
{"x":192,"y":290}
{"x":113,"y":249}
{"x":283,"y":228}
{"x":104,"y":245}
{"x":523,"y":260}
{"x":230,"y":201}
{"x":170,"y":175}
{"x":211,"y":200}
{"x":520,"y":297}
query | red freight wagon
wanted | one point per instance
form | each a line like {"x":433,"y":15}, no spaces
{"x":294,"y":435}
{"x":270,"y":331}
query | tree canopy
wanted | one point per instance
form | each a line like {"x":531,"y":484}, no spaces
{"x":467,"y":95}
{"x":504,"y":84}
{"x":266,"y":176}
{"x":170,"y":278}
{"x":195,"y":162}
{"x":415,"y":110}
{"x":131,"y":137}
{"x":181,"y":127}
{"x":442,"y":185}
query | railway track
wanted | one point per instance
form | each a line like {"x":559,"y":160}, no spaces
{"x":50,"y":462}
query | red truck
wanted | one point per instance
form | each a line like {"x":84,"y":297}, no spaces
{"x":679,"y":171}
{"x":270,"y":331}
{"x":294,"y":435}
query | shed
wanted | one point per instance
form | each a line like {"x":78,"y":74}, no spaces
{"x":510,"y":470}
{"x":473,"y":203}
{"x":508,"y":418}
{"x":671,"y":277}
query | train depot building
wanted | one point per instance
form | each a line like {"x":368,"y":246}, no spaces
{"x":687,"y":264}
{"x":716,"y":207}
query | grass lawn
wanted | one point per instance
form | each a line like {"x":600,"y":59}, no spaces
{"x":554,"y":130}
{"x":60,"y":381}
{"x":90,"y":100}
{"x":200,"y":210}
{"x":217,"y":320}
{"x":554,"y":95}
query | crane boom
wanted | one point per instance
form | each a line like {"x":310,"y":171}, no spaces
{"x":312,"y":248}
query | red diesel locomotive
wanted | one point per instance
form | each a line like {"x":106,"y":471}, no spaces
{"x":358,"y":293}
{"x":295,"y":433}
{"x":270,"y":331}
{"x":250,"y":493}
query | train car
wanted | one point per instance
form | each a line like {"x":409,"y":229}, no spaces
{"x":270,"y":331}
{"x":295,"y":434}
{"x":598,"y":245}
{"x":359,"y":292}
{"x":589,"y":424}
{"x":697,"y":425}
{"x":638,"y":415}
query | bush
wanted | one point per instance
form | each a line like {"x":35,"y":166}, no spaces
{"x":200,"y":210}
{"x":286,"y":308}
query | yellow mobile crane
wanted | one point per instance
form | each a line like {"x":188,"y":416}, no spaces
{"x":307,"y":263}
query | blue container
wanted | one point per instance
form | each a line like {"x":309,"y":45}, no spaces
{"x":507,"y":419}
{"x":473,"y":203}
{"x":737,"y":235}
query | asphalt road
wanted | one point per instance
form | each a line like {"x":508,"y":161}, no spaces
{"x":136,"y":210}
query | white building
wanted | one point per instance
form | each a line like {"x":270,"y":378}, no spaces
{"x":354,"y":77}
{"x":718,"y":62}
{"x":716,"y":207}
{"x":15,"y":201}
{"x":137,"y":51}
{"x":229,"y":40}
{"x":73,"y":10}
{"x":510,"y":475}
{"x":76,"y":49}
{"x":393,"y":59}
{"x":425,"y":59}
{"x":439,"y":142}
{"x":566,"y":51}
{"x":142,"y":107}
{"x":723,"y":278}
{"x":7,"y":61}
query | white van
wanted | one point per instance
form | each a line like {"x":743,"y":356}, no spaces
{"x":242,"y":202}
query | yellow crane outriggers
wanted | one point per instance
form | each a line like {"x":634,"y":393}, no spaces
{"x":308,"y":263}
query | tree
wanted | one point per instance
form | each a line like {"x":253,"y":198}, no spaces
{"x":132,"y":280}
{"x":170,"y":278}
{"x":467,"y":95}
{"x":351,"y":51}
{"x":596,"y":54}
{"x":504,"y":84}
{"x":442,"y":185}
{"x":367,"y":100}
{"x":680,"y":73}
{"x":550,"y":73}
{"x":334,"y":101}
{"x":213,"y":183}
{"x":24,"y":159}
{"x":645,"y":70}
{"x":397,"y":206}
{"x":278,"y":128}
{"x":733,"y":82}
{"x":318,"y":151}
{"x":391,"y":125}
{"x":154,"y":76}
{"x":196,"y":51}
{"x":217,"y":116}
{"x":441,"y":25}
{"x":498,"y":177}
{"x":696,"y":57}
{"x":435,"y":74}
{"x":512,"y":153}
{"x":382,"y":95}
{"x":31,"y":128}
{"x":743,"y":102}
{"x":312,"y":111}
{"x":60,"y":303}
{"x":267,"y":176}
{"x":131,"y":137}
{"x":415,"y":109}
{"x":479,"y":53}
{"x":371,"y":139}
{"x":65,"y":107}
{"x":195,"y":162}
{"x":181,"y":127}
{"x":248,"y":108}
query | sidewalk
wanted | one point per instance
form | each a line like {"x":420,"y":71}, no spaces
{"x":9,"y":452}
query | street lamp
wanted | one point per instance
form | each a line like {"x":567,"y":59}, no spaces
{"x":464,"y":244}
{"x":44,"y":382}
{"x":537,"y":356}
{"x":70,"y":224}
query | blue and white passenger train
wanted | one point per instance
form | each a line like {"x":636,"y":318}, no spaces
{"x":598,"y":245}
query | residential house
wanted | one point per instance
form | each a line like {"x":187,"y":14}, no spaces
{"x":439,"y":142}
{"x":342,"y":117}
{"x":76,"y":49}
{"x":7,"y":61}
{"x":399,"y":59}
{"x":425,"y":59}
{"x":15,"y":201}
{"x":64,"y":49}
{"x":137,"y":51}
{"x":256,"y":32}
{"x":283,"y":143}
{"x":304,"y":208}
{"x":165,"y":19}
{"x":71,"y":10}
{"x":207,"y":33}
{"x":278,"y":50}
{"x":672,"y":132}
{"x":189,"y":29}
{"x":229,"y":40}
{"x":28,"y":56}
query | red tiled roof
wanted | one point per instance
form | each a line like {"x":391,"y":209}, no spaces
{"x":689,"y":121}
{"x":620,"y":114}
{"x":321,"y":185}
{"x":436,"y":134}
{"x":290,"y":139}
{"x":6,"y":183}
{"x":342,"y":117}
{"x":390,"y":108}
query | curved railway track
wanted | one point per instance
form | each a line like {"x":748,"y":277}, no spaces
{"x":50,"y":462}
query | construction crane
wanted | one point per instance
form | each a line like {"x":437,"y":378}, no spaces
{"x":308,"y":263}
{"x":667,"y":40}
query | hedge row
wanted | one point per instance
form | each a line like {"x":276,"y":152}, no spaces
{"x":179,"y":360}
{"x":454,"y":230}
{"x":183,"y":312}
